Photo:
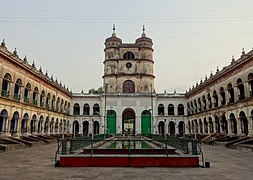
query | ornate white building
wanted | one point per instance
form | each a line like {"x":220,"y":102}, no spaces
{"x":129,"y":104}
{"x":223,"y":103}
{"x":33,"y":103}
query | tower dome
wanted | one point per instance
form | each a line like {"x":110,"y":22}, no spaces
{"x":144,"y":41}
{"x":113,"y":41}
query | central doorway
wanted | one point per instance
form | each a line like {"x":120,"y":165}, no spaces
{"x":128,"y":122}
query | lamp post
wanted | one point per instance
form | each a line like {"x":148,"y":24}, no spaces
{"x":165,"y":134}
{"x":151,"y":98}
{"x":105,"y":109}
{"x":63,"y":132}
{"x":104,"y":122}
{"x":93,"y":130}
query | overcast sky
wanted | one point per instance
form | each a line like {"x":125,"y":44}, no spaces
{"x":191,"y":37}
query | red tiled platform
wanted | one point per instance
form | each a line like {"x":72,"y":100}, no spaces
{"x":129,"y":161}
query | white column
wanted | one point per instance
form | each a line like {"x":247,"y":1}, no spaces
{"x":246,"y":89}
{"x":236,"y":93}
{"x":250,"y":121}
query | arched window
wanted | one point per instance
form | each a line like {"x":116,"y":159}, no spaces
{"x":17,"y":89}
{"x":204,"y":103}
{"x":53,"y":103}
{"x":65,"y":107}
{"x":56,"y":126}
{"x":209,"y":101}
{"x":205,"y":126}
{"x":170,"y":109}
{"x":231,"y":93}
{"x":199,"y":105}
{"x":76,"y":110}
{"x":223,"y":96}
{"x":241,"y":94}
{"x":233,"y":123}
{"x":6,"y":85}
{"x":35,"y":95}
{"x":42,"y":96}
{"x":217,"y":124}
{"x":128,"y":87}
{"x":180,"y":109}
{"x":96,"y":109}
{"x":62,"y":104}
{"x":195,"y":106}
{"x":27,"y":92}
{"x":33,"y":123}
{"x":57,"y":104}
{"x":211,"y":125}
{"x":48,"y":100}
{"x":250,"y":81}
{"x":244,"y":123}
{"x":160,"y":110}
{"x":86,"y":109}
{"x":128,"y":56}
{"x":215,"y":97}
{"x":200,"y":126}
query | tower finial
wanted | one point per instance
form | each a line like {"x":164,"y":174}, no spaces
{"x":233,"y":59}
{"x":243,"y":52}
{"x":143,"y":31}
{"x":113,"y":30}
{"x":3,"y":43}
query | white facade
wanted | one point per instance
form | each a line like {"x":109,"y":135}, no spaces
{"x":137,"y":102}
{"x":129,"y":95}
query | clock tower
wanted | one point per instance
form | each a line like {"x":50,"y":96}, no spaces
{"x":128,"y":67}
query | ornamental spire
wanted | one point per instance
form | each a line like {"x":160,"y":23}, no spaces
{"x":113,"y":30}
{"x":143,"y":31}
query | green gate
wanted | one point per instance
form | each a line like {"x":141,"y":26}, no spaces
{"x":111,"y":122}
{"x":145,"y":122}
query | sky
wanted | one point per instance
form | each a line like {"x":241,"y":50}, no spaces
{"x":66,"y":38}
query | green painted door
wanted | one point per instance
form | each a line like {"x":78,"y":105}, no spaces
{"x":145,"y":122}
{"x":111,"y":122}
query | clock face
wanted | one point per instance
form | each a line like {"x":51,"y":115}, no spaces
{"x":128,"y":65}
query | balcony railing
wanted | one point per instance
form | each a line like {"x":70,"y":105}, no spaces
{"x":5,"y":93}
{"x":231,"y":100}
{"x":34,"y":102}
{"x":26,"y":99}
{"x":41,"y":104}
{"x":241,"y":97}
{"x":16,"y":96}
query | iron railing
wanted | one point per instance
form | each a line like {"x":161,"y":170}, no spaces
{"x":69,"y":145}
{"x":5,"y":93}
{"x":186,"y":145}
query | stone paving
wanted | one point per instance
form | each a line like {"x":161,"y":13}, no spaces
{"x":38,"y":163}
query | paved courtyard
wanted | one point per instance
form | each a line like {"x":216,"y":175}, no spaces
{"x":38,"y":163}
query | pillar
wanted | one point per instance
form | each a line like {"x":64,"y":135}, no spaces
{"x":246,"y":89}
{"x":236,"y":93}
